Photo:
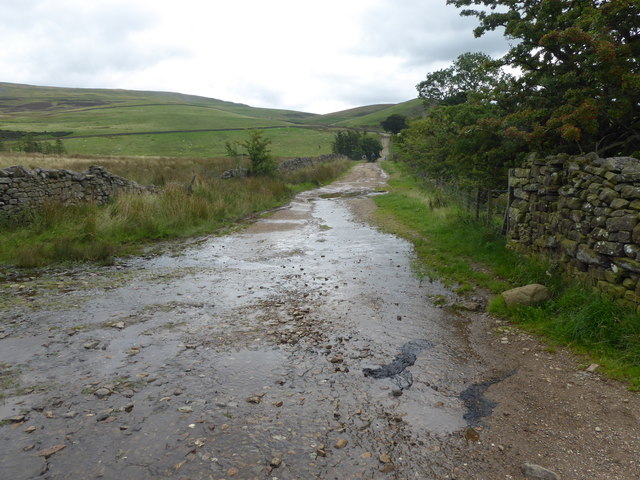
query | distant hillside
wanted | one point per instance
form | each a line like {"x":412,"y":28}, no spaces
{"x":127,"y":122}
{"x":369,"y":117}
{"x":346,"y":115}
{"x":29,"y":101}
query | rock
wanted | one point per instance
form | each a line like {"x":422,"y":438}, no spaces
{"x":255,"y":399}
{"x":70,"y":415}
{"x":341,"y":443}
{"x":592,"y":368}
{"x":384,"y":458}
{"x":387,"y":468}
{"x":118,"y":325}
{"x":185,"y":409}
{"x":30,"y":429}
{"x":102,"y":392}
{"x":102,"y":416}
{"x":337,"y":359}
{"x":91,"y":345}
{"x":537,"y":472}
{"x":528,"y":295}
{"x":47,"y":452}
{"x":471,"y":435}
{"x":16,"y":418}
{"x":275,"y":462}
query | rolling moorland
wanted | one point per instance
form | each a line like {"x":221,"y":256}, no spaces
{"x":123,"y":123}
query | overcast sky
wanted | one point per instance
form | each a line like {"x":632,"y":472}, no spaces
{"x":317,"y":56}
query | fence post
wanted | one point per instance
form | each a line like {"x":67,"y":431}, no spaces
{"x":505,"y":222}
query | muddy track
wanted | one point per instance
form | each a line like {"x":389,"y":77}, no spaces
{"x":300,"y":347}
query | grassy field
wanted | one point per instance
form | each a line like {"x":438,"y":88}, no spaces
{"x":467,"y":256}
{"x":91,"y":121}
{"x":286,"y":142}
{"x":140,"y":118}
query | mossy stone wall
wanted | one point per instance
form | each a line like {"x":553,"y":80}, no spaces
{"x":584,"y":212}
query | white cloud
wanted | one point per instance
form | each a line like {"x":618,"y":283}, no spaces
{"x":312,"y":56}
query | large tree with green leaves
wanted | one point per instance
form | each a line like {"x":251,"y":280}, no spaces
{"x":579,"y":63}
{"x":394,"y":123}
{"x":470,"y":73}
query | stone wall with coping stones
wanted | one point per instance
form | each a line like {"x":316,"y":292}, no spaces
{"x":26,"y":189}
{"x":583,"y":212}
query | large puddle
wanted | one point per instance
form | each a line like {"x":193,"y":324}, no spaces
{"x":303,"y":346}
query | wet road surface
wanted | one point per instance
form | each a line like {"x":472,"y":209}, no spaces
{"x":302,"y":346}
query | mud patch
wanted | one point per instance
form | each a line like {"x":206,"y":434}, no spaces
{"x":478,"y":406}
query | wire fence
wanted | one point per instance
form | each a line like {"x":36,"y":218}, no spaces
{"x":486,"y":206}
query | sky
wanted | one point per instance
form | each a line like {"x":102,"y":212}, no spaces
{"x":312,"y":56}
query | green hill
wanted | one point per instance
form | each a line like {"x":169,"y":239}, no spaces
{"x":125,"y":122}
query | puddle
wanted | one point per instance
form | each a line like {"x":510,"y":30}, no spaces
{"x":351,"y":194}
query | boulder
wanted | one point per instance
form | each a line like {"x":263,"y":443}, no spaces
{"x":528,"y":295}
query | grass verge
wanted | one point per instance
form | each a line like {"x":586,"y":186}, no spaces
{"x":58,"y":234}
{"x":466,"y":255}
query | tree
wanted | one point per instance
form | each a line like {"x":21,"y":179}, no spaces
{"x":29,"y":144}
{"x":394,"y":123}
{"x":355,"y":145}
{"x":579,"y":87}
{"x":461,"y":144}
{"x":58,"y":148}
{"x":470,"y":73}
{"x":256,"y":145}
{"x":347,"y":142}
{"x":370,"y":146}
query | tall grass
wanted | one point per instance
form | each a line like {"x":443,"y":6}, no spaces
{"x":144,"y":170}
{"x":99,"y":233}
{"x":452,"y":246}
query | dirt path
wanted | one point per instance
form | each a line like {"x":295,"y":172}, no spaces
{"x":301,"y":347}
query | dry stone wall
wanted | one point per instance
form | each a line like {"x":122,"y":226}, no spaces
{"x":304,"y":162}
{"x":24,"y":189}
{"x":290,"y":164}
{"x":583,"y":212}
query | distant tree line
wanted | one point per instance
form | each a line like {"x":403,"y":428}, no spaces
{"x":29,"y":145}
{"x":575,"y":88}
